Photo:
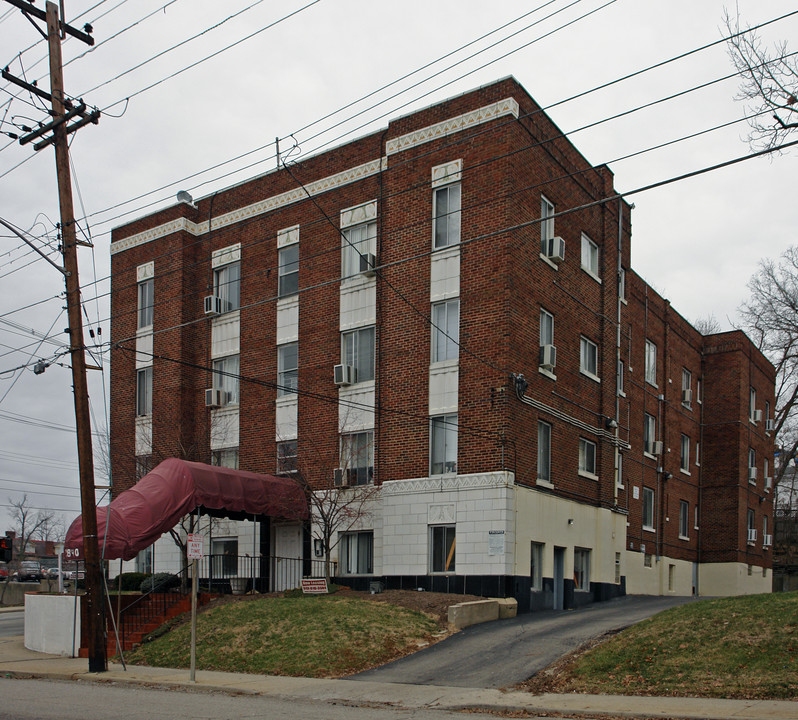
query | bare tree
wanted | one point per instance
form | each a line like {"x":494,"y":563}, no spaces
{"x":770,"y":317}
{"x":769,"y":85}
{"x":32,"y":524}
{"x":707,"y":325}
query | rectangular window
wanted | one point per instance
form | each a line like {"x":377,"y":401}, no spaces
{"x":225,"y":377}
{"x":441,"y":548}
{"x":536,"y":566}
{"x":445,"y":330}
{"x":622,"y":284}
{"x":695,"y":518}
{"x":648,"y":560}
{"x":684,"y":464}
{"x":671,"y":577}
{"x":546,"y":224}
{"x":446,"y":216}
{"x":443,"y":444}
{"x":227,"y":286}
{"x":684,"y":518}
{"x":588,"y":357}
{"x":546,"y":328}
{"x":358,"y":241}
{"x":649,"y":434}
{"x":357,"y":553}
{"x":287,"y":372}
{"x":581,"y":569}
{"x":544,"y":451}
{"x":651,"y":363}
{"x":143,"y":465}
{"x":587,"y":457}
{"x":228,"y":458}
{"x":590,"y":256}
{"x":699,"y":391}
{"x":357,"y":350}
{"x":768,"y":418}
{"x":752,"y":405}
{"x":621,"y":371}
{"x":144,"y":391}
{"x":357,"y":457}
{"x":648,"y":508}
{"x":288,"y":271}
{"x":698,"y":454}
{"x":619,"y":476}
{"x":751,"y":527}
{"x":286,"y":456}
{"x":751,"y":465}
{"x":617,"y":568}
{"x":224,"y":557}
{"x":687,"y":387}
{"x":145,"y":304}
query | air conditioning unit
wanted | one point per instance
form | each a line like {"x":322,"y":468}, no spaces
{"x":768,"y":483}
{"x":687,"y":396}
{"x":757,"y":416}
{"x":368,"y":263}
{"x":751,"y":535}
{"x":548,"y":357}
{"x":656,"y":447}
{"x":214,"y":397}
{"x":340,"y":477}
{"x":752,"y":474}
{"x":767,"y":540}
{"x":214,"y":305}
{"x":344,"y":375}
{"x":770,"y":425}
{"x":555,"y":249}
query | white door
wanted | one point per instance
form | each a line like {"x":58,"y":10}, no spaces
{"x":288,"y":557}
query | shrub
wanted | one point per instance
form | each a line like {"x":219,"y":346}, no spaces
{"x":160,"y":582}
{"x":127,"y":582}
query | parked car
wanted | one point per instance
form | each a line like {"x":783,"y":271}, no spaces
{"x":51,"y":573}
{"x":29,"y":571}
{"x":3,"y":573}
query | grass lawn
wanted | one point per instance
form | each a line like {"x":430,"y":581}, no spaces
{"x":741,"y":647}
{"x":305,"y":636}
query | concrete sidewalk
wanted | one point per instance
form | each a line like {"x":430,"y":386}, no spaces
{"x":17,"y":661}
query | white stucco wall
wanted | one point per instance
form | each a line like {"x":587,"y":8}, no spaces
{"x":52,"y":624}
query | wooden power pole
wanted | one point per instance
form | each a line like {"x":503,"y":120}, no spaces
{"x":63,"y":111}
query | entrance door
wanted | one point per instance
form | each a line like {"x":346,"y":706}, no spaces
{"x":559,"y":577}
{"x":287,"y":557}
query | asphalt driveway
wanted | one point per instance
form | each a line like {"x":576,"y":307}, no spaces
{"x":506,"y":652}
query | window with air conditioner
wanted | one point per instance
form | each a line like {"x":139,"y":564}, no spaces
{"x":443,"y":444}
{"x":767,"y":540}
{"x":687,"y":387}
{"x":548,"y":352}
{"x":751,"y":465}
{"x":145,"y":304}
{"x":544,"y":452}
{"x":357,"y":458}
{"x":144,"y":391}
{"x":227,"y":287}
{"x":287,"y":457}
{"x":751,"y":527}
{"x":356,"y":556}
{"x":651,"y":363}
{"x":287,"y":369}
{"x":446,"y":330}
{"x":357,"y":241}
{"x":546,"y":224}
{"x":752,"y":404}
{"x":226,"y":372}
{"x":588,"y":358}
{"x":288,"y":271}
{"x":587,"y":458}
{"x":446,"y":216}
{"x":357,"y":351}
{"x":442,"y":548}
{"x":648,"y":509}
{"x":590,"y":257}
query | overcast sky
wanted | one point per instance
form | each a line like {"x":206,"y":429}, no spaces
{"x":296,"y":64}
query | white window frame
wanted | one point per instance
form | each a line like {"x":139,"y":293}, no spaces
{"x":287,"y":369}
{"x":687,"y":384}
{"x":622,"y":285}
{"x":357,"y":457}
{"x":648,"y":509}
{"x":590,"y":258}
{"x":443,"y":444}
{"x":620,"y":377}
{"x":536,"y":566}
{"x":288,"y":270}
{"x":146,"y":305}
{"x":444,"y":562}
{"x":588,"y":354}
{"x":581,"y":569}
{"x":356,"y":241}
{"x":355,"y":344}
{"x":588,"y":458}
{"x":287,"y":457}
{"x":684,"y":455}
{"x":649,"y":434}
{"x":227,"y":285}
{"x":356,"y":554}
{"x":144,"y":391}
{"x":223,"y":560}
{"x":226,"y":457}
{"x":544,"y":452}
{"x":226,"y":376}
{"x":446,"y":222}
{"x":651,"y":363}
{"x":446,"y":330}
{"x":751,"y":464}
{"x":752,"y":404}
{"x":546,"y":223}
{"x":546,"y":327}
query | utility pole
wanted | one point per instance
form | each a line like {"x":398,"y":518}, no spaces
{"x":62,"y":112}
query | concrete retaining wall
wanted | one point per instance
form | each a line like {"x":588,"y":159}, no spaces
{"x":479,"y":611}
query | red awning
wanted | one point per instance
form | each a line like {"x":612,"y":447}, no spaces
{"x":157,"y":502}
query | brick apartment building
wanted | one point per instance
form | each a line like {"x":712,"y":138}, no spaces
{"x":446,"y":310}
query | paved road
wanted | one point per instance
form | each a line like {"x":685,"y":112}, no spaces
{"x":12,"y":623}
{"x":506,"y":652}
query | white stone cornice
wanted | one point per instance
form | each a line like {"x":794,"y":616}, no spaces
{"x":441,"y":483}
{"x":453,"y":125}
